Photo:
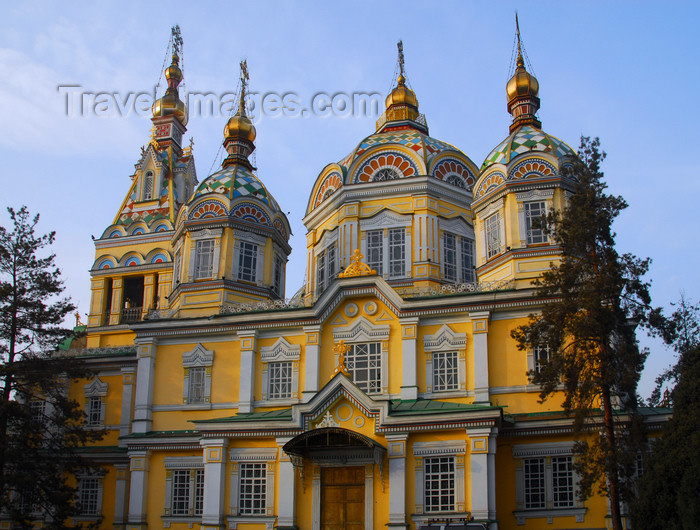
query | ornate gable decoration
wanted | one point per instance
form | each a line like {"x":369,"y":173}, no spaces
{"x":96,"y":388}
{"x":356,"y":267}
{"x":199,"y":356}
{"x":386,"y":219}
{"x":445,"y":340}
{"x":362,"y":330}
{"x":280,"y":351}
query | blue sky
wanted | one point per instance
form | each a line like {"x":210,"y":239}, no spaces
{"x":627,"y":72}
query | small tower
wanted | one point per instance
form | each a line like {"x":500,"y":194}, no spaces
{"x":523,"y":89}
{"x":239,"y":133}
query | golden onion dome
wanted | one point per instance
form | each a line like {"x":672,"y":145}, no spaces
{"x":171,"y":104}
{"x":239,"y":126}
{"x":401,"y":95}
{"x":522,"y":83}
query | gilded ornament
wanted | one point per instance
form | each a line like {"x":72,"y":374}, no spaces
{"x":357,"y":267}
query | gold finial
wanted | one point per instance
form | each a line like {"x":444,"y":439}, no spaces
{"x":245,"y":77}
{"x":153,"y":141}
{"x":177,"y":39}
{"x":356,"y":267}
{"x":521,"y":62}
{"x":187,"y":151}
{"x":402,"y":73}
{"x":78,"y":322}
{"x":340,"y":349}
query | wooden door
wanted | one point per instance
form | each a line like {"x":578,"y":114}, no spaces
{"x":342,"y":498}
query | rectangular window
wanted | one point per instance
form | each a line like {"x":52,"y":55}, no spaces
{"x":203,"y":259}
{"x":187,"y":492}
{"x":321,"y":272}
{"x":198,"y":492}
{"x":375,"y":250}
{"x":562,"y":482}
{"x":251,"y":489}
{"x":177,"y":267}
{"x":439,"y":473}
{"x":196,"y":389}
{"x":364,"y":362}
{"x":247,"y":261}
{"x":280,"y":380}
{"x":38,"y":408}
{"x":449,"y":256}
{"x":534,"y":483}
{"x":541,"y":355}
{"x":467,"y":254}
{"x":445,"y":371}
{"x":534,"y":217}
{"x":397,"y":253}
{"x":148,"y":186}
{"x":88,"y":496}
{"x":326,"y":268}
{"x":94,"y":411}
{"x":493,"y":235}
{"x":277,"y":279}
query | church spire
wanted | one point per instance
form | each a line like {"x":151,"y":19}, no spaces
{"x":239,"y":133}
{"x":522,"y":90}
{"x":401,"y":103}
{"x":170,"y":112}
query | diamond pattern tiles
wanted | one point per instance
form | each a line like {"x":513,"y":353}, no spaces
{"x":523,"y":140}
{"x":236,"y":181}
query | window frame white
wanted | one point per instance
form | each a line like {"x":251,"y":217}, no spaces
{"x":492,"y":233}
{"x":529,"y":230}
{"x":545,"y":196}
{"x":260,"y":456}
{"x":198,"y":358}
{"x":247,"y":262}
{"x":445,"y":340}
{"x":95,"y":403}
{"x":378,"y":244}
{"x":199,"y":235}
{"x":81,"y":480}
{"x":446,"y":449}
{"x":204,"y":271}
{"x":192,"y":468}
{"x":280,"y":351}
{"x":545,"y":454}
{"x":362,"y":331}
{"x":251,"y":239}
{"x":146,"y":194}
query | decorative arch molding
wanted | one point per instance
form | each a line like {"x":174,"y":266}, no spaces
{"x":131,"y":260}
{"x":209,"y":208}
{"x":198,"y":356}
{"x":199,"y":359}
{"x":402,"y":164}
{"x":250,"y":212}
{"x":457,"y":226}
{"x":362,"y":330}
{"x":281,"y":227}
{"x":489,"y":183}
{"x":105,"y":262}
{"x":280,"y":351}
{"x":453,"y":171}
{"x":96,"y":388}
{"x":138,"y":229}
{"x":532,"y":167}
{"x":161,"y":226}
{"x":113,"y":232}
{"x":386,"y":219}
{"x":331,"y":183}
{"x":158,"y":256}
{"x":445,"y":340}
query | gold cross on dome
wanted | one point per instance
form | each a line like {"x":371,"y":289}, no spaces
{"x":399,"y":45}
{"x":340,"y":349}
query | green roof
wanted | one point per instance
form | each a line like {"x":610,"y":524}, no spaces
{"x":431,"y":406}
{"x":271,"y":415}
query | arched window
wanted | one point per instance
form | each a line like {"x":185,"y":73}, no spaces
{"x":148,"y":186}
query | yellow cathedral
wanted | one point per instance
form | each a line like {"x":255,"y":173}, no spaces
{"x":387,"y":393}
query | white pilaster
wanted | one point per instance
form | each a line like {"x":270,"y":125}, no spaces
{"x":138,"y":490}
{"x":483,"y":473}
{"x":120,"y":494}
{"x":312,"y":352}
{"x":492,"y":478}
{"x":286,"y":505}
{"x":409,"y":334}
{"x":128,"y":373}
{"x":316,"y":499}
{"x":397,"y":481}
{"x":143,"y":406}
{"x":214,"y":476}
{"x":246,"y":386}
{"x":480,"y":329}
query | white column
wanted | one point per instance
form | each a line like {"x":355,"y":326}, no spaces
{"x":483,"y":473}
{"x":246,"y":387}
{"x":316,"y":499}
{"x":492,"y":478}
{"x":286,"y":505}
{"x":312,"y":353}
{"x":127,"y":397}
{"x":480,"y":329}
{"x":138,"y":490}
{"x":397,"y":481}
{"x":409,"y":334}
{"x":214,"y":476}
{"x":120,"y":495}
{"x":143,"y":406}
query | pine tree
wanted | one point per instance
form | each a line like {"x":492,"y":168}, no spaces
{"x":40,"y":427}
{"x":595,"y":297}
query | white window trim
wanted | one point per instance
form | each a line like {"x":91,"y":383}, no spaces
{"x":253,"y":455}
{"x":493,"y":208}
{"x":154,"y":195}
{"x":545,"y":196}
{"x":385,"y":221}
{"x":260,"y":258}
{"x":96,"y":388}
{"x":279,"y":258}
{"x":362,"y":330}
{"x":460,"y":236}
{"x":546,"y":451}
{"x":100,"y":490}
{"x":214,"y":234}
{"x":280,"y":351}
{"x":445,"y":340}
{"x":191,"y":463}
{"x":199,"y":356}
{"x":421,"y":450}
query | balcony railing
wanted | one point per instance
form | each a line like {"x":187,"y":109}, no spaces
{"x":131,"y":314}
